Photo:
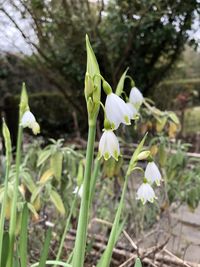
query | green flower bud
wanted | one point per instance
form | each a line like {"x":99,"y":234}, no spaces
{"x":23,"y":101}
{"x":89,"y":85}
{"x":143,"y":155}
{"x":107,"y":88}
{"x":7,"y":139}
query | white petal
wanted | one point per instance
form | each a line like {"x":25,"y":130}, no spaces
{"x":132,"y":110}
{"x":145,"y":193}
{"x":116,"y":110}
{"x":28,"y":119}
{"x":79,"y":191}
{"x":152,"y":173}
{"x":108,"y":145}
{"x":136,"y":97}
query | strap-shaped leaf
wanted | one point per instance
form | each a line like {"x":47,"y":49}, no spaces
{"x":56,"y":164}
{"x":138,"y":263}
{"x":57,"y":201}
{"x":120,"y":85}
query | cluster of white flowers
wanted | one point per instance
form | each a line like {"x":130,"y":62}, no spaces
{"x":28,"y":120}
{"x":117,"y":111}
{"x":151,"y":175}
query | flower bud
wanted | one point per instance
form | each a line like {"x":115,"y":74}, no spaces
{"x":23,"y":100}
{"x":107,"y":88}
{"x":143,"y":155}
{"x":89,"y":85}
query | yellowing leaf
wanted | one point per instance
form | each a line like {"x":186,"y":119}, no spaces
{"x":172,"y":131}
{"x":161,"y":124}
{"x":57,"y":201}
{"x":37,"y":203}
{"x":47,"y":175}
{"x":56,"y":164}
{"x":154,"y":150}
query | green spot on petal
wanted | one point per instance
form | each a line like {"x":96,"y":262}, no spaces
{"x":127,"y":120}
{"x":116,"y":155}
{"x":106,"y":156}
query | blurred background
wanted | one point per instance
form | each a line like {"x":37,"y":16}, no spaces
{"x":42,"y":43}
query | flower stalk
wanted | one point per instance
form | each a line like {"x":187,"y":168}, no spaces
{"x":80,"y":243}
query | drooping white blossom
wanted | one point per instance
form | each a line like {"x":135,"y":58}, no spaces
{"x":152,"y":173}
{"x":28,"y":119}
{"x":136,"y":98}
{"x":117,"y":111}
{"x":133,"y":111}
{"x":109,"y":145}
{"x":79,"y":190}
{"x":145,"y":193}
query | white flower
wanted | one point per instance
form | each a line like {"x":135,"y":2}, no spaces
{"x":109,"y":145}
{"x":152,"y":173}
{"x":133,"y":111}
{"x":28,"y":120}
{"x":117,"y":111}
{"x":136,"y":98}
{"x":79,"y":190}
{"x":145,"y":193}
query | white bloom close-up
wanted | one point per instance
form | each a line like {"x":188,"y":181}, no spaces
{"x":145,"y":193}
{"x":133,"y":111}
{"x":79,"y":190}
{"x":152,"y":173}
{"x":136,"y":98}
{"x":28,"y":120}
{"x":117,"y":111}
{"x":109,"y":145}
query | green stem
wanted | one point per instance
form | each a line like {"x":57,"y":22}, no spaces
{"x":3,"y":209}
{"x":94,"y":179}
{"x":107,"y":255}
{"x":66,"y":229}
{"x":80,"y":242}
{"x":14,"y":202}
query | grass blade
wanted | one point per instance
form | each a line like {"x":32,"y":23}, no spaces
{"x":24,"y":237}
{"x":45,"y":251}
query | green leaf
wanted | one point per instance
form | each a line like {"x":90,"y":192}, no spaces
{"x":57,"y":201}
{"x":35,"y":193}
{"x":43,"y":156}
{"x":5,"y":250}
{"x":28,"y":181}
{"x":138,"y":263}
{"x":120,"y":85}
{"x":174,"y":117}
{"x":56,"y":164}
{"x":45,"y":250}
{"x":24,"y":237}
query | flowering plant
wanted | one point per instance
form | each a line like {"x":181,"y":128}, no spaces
{"x":117,"y":111}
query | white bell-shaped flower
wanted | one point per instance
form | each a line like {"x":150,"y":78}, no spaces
{"x":133,"y":111}
{"x":109,"y":145}
{"x":117,"y":111}
{"x":136,"y":98}
{"x":152,"y":173}
{"x":79,"y":190}
{"x":145,"y":193}
{"x":28,"y":120}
